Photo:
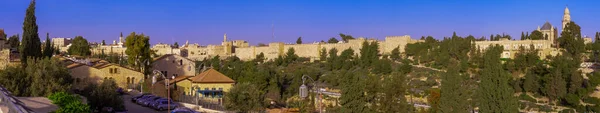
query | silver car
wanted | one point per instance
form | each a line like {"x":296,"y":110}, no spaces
{"x":164,"y":105}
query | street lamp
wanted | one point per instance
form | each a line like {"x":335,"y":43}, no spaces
{"x":143,"y":72}
{"x":304,"y":90}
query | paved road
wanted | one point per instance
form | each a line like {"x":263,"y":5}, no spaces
{"x":135,"y":108}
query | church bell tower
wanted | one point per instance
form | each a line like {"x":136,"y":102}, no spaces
{"x":566,"y":18}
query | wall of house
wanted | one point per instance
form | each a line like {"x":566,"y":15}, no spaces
{"x":122,"y":74}
{"x":173,"y":66}
{"x":85,"y":75}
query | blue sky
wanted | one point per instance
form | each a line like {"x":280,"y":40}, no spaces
{"x":205,"y":21}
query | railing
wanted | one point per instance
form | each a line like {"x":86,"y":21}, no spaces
{"x":12,"y":104}
{"x":205,"y":102}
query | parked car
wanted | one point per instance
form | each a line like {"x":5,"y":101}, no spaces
{"x":183,"y":110}
{"x":155,"y":102}
{"x":164,"y":105}
{"x":141,"y":100}
{"x":134,"y":98}
{"x":147,"y":101}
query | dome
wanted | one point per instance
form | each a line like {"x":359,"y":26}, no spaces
{"x":546,"y":26}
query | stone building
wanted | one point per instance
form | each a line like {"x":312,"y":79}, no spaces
{"x":511,"y":47}
{"x":114,"y":48}
{"x":549,"y":32}
{"x":174,"y":65}
{"x":96,"y":72}
{"x":61,"y":42}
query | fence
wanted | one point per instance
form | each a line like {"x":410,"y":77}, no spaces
{"x":204,"y":102}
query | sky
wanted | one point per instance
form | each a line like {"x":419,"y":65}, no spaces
{"x":263,"y":21}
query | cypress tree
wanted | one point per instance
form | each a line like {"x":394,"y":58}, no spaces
{"x":30,"y":45}
{"x":47,"y":47}
{"x":494,"y":92}
{"x":453,"y":98}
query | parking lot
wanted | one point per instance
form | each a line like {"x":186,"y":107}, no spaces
{"x":135,"y":108}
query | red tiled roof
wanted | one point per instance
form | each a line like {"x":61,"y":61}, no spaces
{"x":211,"y":76}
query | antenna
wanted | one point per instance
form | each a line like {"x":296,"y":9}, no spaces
{"x":273,"y":30}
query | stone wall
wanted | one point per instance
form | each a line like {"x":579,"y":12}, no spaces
{"x":4,"y":58}
{"x":511,"y":47}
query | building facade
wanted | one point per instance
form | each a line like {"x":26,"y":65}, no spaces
{"x":174,"y":65}
{"x":84,"y":74}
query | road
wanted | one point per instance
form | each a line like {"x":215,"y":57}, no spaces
{"x":135,"y":108}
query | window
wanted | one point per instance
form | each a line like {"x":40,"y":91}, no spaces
{"x":116,"y":70}
{"x":220,"y":89}
{"x":189,"y":68}
{"x":214,"y":88}
{"x":180,"y":62}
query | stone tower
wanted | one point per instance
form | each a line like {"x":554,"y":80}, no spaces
{"x":225,"y":37}
{"x":566,"y":18}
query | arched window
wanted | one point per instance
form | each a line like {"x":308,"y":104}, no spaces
{"x":133,"y":80}
{"x":128,"y":80}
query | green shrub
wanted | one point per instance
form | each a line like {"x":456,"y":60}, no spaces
{"x":526,"y":97}
{"x":591,"y":100}
{"x":68,"y":103}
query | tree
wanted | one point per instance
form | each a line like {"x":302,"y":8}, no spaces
{"x":453,"y":98}
{"x":243,"y":97}
{"x":290,"y":55}
{"x":393,"y":91}
{"x":68,"y":103}
{"x":138,"y":50}
{"x":523,"y":36}
{"x":48,"y":49}
{"x":353,"y":87}
{"x":345,"y":37}
{"x":395,"y":55}
{"x":597,"y":37}
{"x":2,"y":34}
{"x":40,"y":77}
{"x":323,"y":54}
{"x":299,"y":40}
{"x":175,"y":45}
{"x":260,"y":57}
{"x":494,"y":92}
{"x":332,"y":40}
{"x":434,"y":100}
{"x":536,"y":35}
{"x":103,"y":42}
{"x":104,"y":95}
{"x":531,"y":83}
{"x":570,"y":39}
{"x":13,"y":41}
{"x":30,"y":46}
{"x":80,"y":47}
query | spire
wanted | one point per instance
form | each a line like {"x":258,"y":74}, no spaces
{"x":225,"y":37}
{"x":567,"y":9}
{"x":566,"y":18}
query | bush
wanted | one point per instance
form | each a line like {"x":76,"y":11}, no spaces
{"x":526,"y":97}
{"x":68,"y":103}
{"x":592,"y":100}
{"x":104,"y":95}
{"x":567,"y":111}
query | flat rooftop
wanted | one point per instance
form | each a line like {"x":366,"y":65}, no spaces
{"x":38,"y":104}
